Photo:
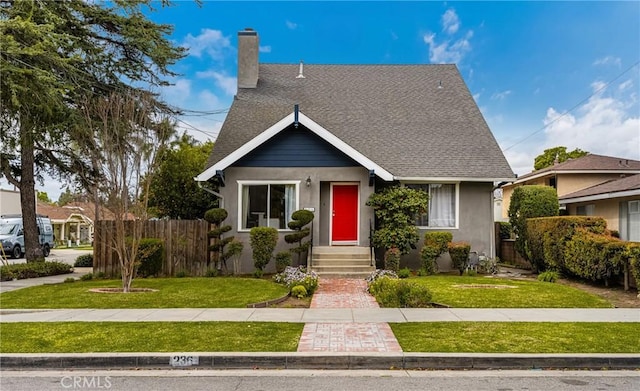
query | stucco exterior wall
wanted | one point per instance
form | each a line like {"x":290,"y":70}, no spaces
{"x":475,"y":225}
{"x":569,"y":183}
{"x":316,"y":196}
{"x":608,"y":209}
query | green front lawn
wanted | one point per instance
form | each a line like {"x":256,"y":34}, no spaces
{"x":223,"y":292}
{"x":86,"y":337}
{"x":486,"y":292}
{"x":525,"y":337}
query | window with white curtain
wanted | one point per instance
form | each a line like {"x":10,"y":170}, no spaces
{"x":265,"y":204}
{"x":442,"y":205}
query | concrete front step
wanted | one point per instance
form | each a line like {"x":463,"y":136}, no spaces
{"x":356,"y":275}
{"x":343,"y":269}
{"x":341,"y":262}
{"x":341,"y":255}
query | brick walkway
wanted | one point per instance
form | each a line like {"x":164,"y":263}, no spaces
{"x":346,"y":337}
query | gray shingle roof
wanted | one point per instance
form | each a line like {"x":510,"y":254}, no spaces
{"x":590,"y":162}
{"x":619,"y":185}
{"x":393,"y":114}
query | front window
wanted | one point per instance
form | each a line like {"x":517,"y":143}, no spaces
{"x":267,"y":204}
{"x":586,"y":210}
{"x":442,"y":205}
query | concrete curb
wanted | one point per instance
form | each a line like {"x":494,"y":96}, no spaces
{"x":334,"y":361}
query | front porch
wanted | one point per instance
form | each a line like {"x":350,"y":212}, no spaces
{"x":342,"y":261}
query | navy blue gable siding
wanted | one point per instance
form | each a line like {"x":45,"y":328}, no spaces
{"x":296,"y":148}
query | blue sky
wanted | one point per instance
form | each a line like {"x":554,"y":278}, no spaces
{"x":526,"y":63}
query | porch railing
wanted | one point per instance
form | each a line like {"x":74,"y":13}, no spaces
{"x":310,"y":252}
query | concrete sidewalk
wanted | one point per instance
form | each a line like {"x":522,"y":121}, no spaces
{"x":324,"y":315}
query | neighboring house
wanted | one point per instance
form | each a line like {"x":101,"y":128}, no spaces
{"x":325,"y":137}
{"x":618,"y":201}
{"x":573,"y":175}
{"x":9,"y":202}
{"x":72,"y":223}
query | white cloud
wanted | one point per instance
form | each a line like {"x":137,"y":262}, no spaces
{"x":211,"y":42}
{"x":209,"y":100}
{"x":604,"y":125}
{"x":227,"y":83}
{"x":625,"y":85}
{"x":264,"y":49}
{"x":608,"y":60}
{"x":500,"y":95}
{"x":178,"y":93}
{"x":453,"y":47}
{"x":291,"y":25}
{"x":450,"y":22}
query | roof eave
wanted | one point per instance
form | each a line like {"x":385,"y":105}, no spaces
{"x":280,"y":126}
{"x":600,"y":197}
{"x":556,"y":172}
{"x":453,"y":179}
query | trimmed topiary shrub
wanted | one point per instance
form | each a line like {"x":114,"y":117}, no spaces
{"x":435,"y":244}
{"x":283,"y":259}
{"x":219,"y":256}
{"x":300,"y":218}
{"x":150,"y":257}
{"x":528,"y":202}
{"x":392,"y":259}
{"x":85,"y":260}
{"x":263,"y":243}
{"x":459,"y":252}
{"x":594,"y":256}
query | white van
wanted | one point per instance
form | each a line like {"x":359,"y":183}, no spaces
{"x":12,"y":235}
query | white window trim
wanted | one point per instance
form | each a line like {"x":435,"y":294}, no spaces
{"x":264,"y":182}
{"x":457,"y":198}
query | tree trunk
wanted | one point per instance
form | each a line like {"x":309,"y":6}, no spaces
{"x":32,"y":250}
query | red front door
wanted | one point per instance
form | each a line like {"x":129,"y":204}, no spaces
{"x":344,"y":223}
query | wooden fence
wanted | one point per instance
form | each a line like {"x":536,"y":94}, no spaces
{"x":185,"y":246}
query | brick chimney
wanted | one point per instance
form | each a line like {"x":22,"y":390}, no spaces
{"x":247,"y":58}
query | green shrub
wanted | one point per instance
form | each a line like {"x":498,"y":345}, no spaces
{"x":528,"y":202}
{"x":69,"y":280}
{"x":547,"y":238}
{"x":549,"y":276}
{"x":404,"y":273}
{"x":100,"y":276}
{"x":392,"y":259}
{"x":263,"y":242}
{"x":86,"y":277}
{"x":283,"y":259}
{"x":85,"y":260}
{"x":505,"y":230}
{"x":435,"y":244}
{"x":459,"y":252}
{"x":211,"y":273}
{"x":292,"y":276}
{"x":395,"y":208}
{"x":299,"y":291}
{"x":258,"y":273}
{"x":182,"y":274}
{"x":219,"y":256}
{"x":394,"y":293}
{"x":595,"y":256}
{"x":633,"y":255}
{"x":300,"y":218}
{"x":150,"y":257}
{"x":21,"y":271}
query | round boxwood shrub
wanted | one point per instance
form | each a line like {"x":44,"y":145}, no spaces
{"x":85,"y":260}
{"x":299,"y":291}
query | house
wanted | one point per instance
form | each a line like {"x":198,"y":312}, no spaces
{"x":574,"y":175}
{"x":325,"y":137}
{"x":617,"y":201}
{"x":72,"y":223}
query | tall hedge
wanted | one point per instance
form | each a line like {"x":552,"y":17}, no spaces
{"x":529,"y":202}
{"x":595,"y":256}
{"x":548,"y":236}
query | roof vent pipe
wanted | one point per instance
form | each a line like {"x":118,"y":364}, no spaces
{"x":300,"y":75}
